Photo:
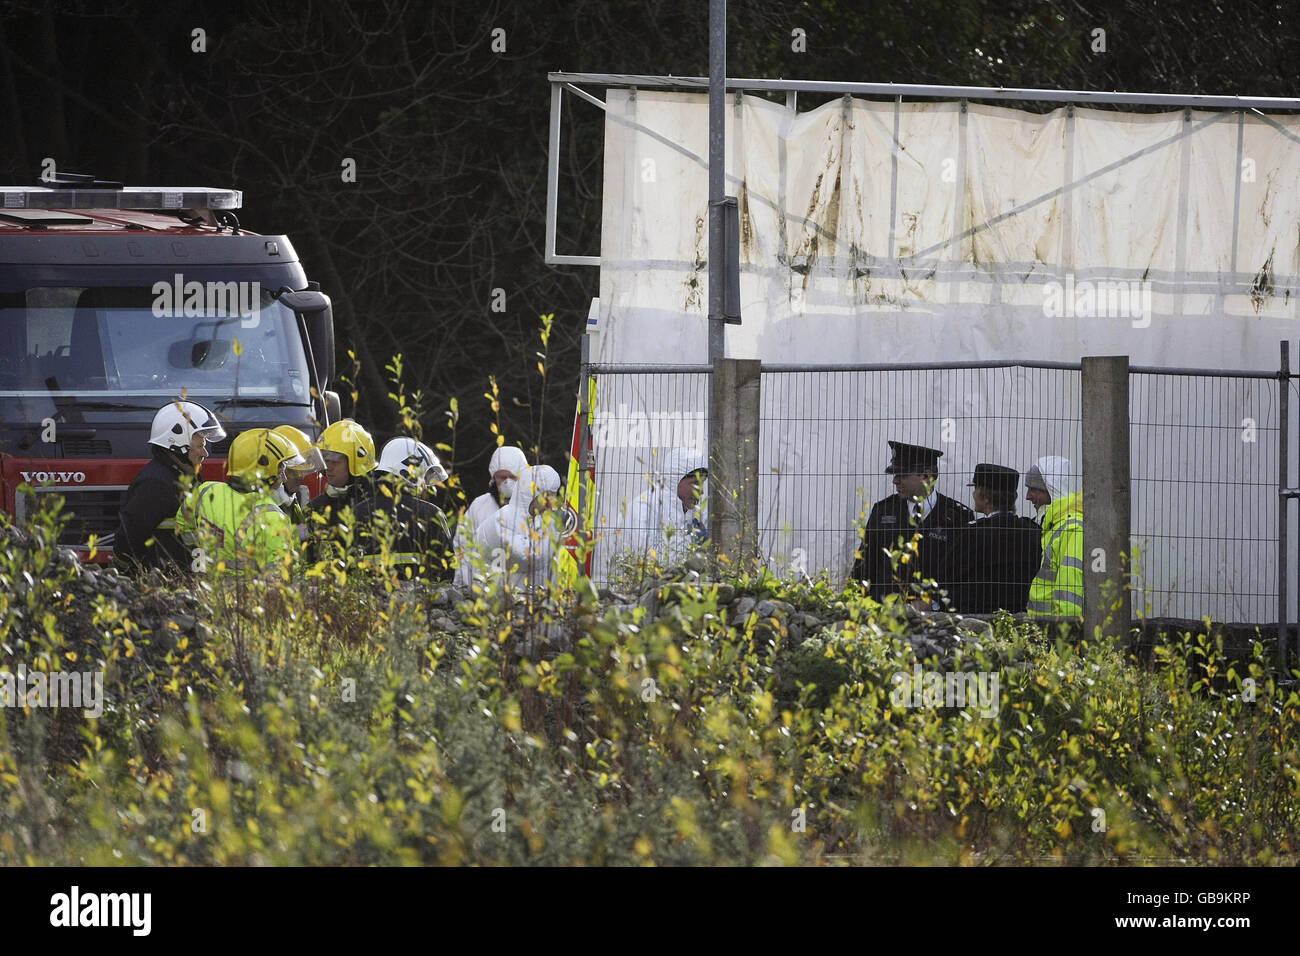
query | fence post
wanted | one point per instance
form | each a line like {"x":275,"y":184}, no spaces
{"x":1283,"y":507}
{"x":733,"y":454}
{"x":1107,"y":600}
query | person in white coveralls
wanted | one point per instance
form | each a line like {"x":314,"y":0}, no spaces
{"x":503,"y":470}
{"x":672,"y":517}
{"x":527,"y":533}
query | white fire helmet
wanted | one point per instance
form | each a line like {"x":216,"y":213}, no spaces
{"x":412,"y":461}
{"x":178,"y":422}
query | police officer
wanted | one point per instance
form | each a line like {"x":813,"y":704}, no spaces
{"x":1001,"y":551}
{"x":178,"y":439}
{"x":915,"y":510}
{"x":239,"y":521}
{"x":420,"y":542}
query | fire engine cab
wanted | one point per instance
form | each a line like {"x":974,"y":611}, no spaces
{"x":115,"y":300}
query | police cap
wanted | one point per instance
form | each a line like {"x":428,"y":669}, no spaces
{"x":995,"y":477}
{"x":912,"y":459}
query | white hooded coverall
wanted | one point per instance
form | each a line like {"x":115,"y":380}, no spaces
{"x":656,"y":521}
{"x":482,"y":509}
{"x":528,"y":544}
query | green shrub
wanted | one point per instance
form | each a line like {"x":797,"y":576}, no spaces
{"x":341,"y":720}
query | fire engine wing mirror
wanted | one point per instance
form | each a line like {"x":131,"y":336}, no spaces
{"x":318,"y":315}
{"x":189,"y":354}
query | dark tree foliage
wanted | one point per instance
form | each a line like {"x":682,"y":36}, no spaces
{"x":449,"y":138}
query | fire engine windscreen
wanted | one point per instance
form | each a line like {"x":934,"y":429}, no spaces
{"x":109,"y":343}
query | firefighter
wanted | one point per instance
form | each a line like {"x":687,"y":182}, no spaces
{"x":293,"y":495}
{"x":420,"y":542}
{"x":238,"y":521}
{"x":916,"y":513}
{"x":146,"y":534}
{"x":1057,"y":590}
{"x":348,"y":452}
{"x":435,"y":486}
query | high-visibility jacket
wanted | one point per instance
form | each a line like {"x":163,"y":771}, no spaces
{"x":1057,"y":589}
{"x":220,"y":523}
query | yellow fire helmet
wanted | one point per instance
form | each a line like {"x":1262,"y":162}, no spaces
{"x":258,"y":454}
{"x":313,"y":461}
{"x":350,"y":439}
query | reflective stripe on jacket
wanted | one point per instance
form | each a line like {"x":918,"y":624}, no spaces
{"x":1057,"y":589}
{"x":233,"y":526}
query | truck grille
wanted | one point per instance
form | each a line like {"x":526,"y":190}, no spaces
{"x":89,"y":511}
{"x":85,"y":448}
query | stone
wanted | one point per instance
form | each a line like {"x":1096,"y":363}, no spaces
{"x":974,"y":628}
{"x":764,"y":636}
{"x":742,"y":608}
{"x":444,"y":622}
{"x":924,"y":647}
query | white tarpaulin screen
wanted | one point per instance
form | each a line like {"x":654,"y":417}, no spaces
{"x":931,"y":232}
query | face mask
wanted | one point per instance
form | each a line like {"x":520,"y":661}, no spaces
{"x":507,"y":489}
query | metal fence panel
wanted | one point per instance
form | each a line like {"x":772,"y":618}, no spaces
{"x":1204,"y":466}
{"x":639,"y":419}
{"x":1204,"y":454}
{"x":824,"y":444}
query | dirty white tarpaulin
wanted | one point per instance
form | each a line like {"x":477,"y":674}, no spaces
{"x":974,"y":232}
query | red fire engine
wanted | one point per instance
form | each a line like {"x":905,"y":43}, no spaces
{"x":115,"y":300}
